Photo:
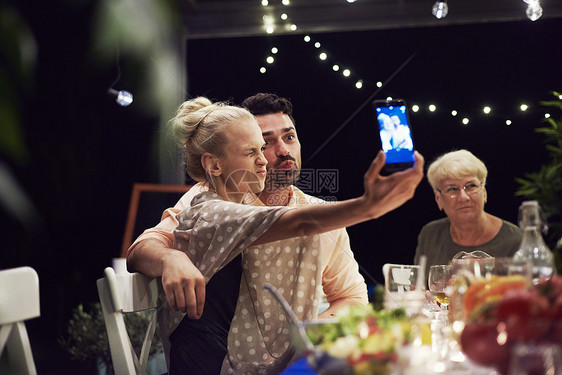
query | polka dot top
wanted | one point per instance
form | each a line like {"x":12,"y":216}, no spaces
{"x":213,"y":231}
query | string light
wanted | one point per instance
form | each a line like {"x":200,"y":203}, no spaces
{"x":359,"y":84}
{"x":270,"y":28}
{"x":268,"y":23}
{"x":534,"y":9}
{"x":335,"y":66}
{"x":465,"y":118}
{"x":440,"y":9}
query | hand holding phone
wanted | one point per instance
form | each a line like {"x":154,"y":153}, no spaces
{"x":395,"y":134}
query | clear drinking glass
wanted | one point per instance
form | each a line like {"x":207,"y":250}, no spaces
{"x":438,"y":279}
{"x":465,"y":269}
{"x":508,"y":266}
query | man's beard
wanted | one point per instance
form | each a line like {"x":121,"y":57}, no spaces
{"x":280,"y":178}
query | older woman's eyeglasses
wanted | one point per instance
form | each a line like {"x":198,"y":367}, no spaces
{"x":453,"y":192}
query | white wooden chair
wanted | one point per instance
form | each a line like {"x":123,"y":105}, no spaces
{"x":125,"y":293}
{"x":19,"y":301}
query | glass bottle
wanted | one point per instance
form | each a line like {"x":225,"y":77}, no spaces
{"x":533,"y":248}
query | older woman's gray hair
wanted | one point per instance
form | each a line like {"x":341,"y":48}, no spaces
{"x":456,"y":164}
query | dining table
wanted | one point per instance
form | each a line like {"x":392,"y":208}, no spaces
{"x":303,"y":367}
{"x":473,"y":329}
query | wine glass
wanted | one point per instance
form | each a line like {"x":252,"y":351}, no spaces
{"x":438,"y":280}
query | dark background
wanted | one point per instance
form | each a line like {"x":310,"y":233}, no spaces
{"x":82,"y":152}
{"x":456,"y":67}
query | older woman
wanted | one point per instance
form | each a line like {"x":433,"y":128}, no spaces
{"x":458,"y":179}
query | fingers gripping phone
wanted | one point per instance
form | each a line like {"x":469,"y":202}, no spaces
{"x":395,"y":134}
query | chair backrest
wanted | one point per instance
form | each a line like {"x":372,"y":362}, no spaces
{"x":19,"y":301}
{"x":126,"y":293}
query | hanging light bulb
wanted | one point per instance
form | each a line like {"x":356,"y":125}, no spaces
{"x":123,"y":98}
{"x":534,"y":10}
{"x":440,"y":9}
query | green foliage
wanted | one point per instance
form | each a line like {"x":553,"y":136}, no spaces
{"x":545,"y":186}
{"x":86,"y":337}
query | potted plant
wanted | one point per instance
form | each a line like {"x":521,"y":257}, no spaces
{"x":86,"y":337}
{"x":545,"y":186}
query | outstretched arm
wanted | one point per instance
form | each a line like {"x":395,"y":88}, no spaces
{"x":382,"y":195}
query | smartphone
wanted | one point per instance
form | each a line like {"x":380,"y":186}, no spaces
{"x":395,"y":134}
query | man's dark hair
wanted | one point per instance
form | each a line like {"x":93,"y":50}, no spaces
{"x":266,"y":103}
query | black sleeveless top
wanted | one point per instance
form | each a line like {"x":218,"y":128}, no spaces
{"x":200,"y":346}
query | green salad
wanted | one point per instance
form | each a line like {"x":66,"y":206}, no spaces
{"x":367,"y":338}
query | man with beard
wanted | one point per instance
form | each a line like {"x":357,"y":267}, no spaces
{"x":335,"y":271}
